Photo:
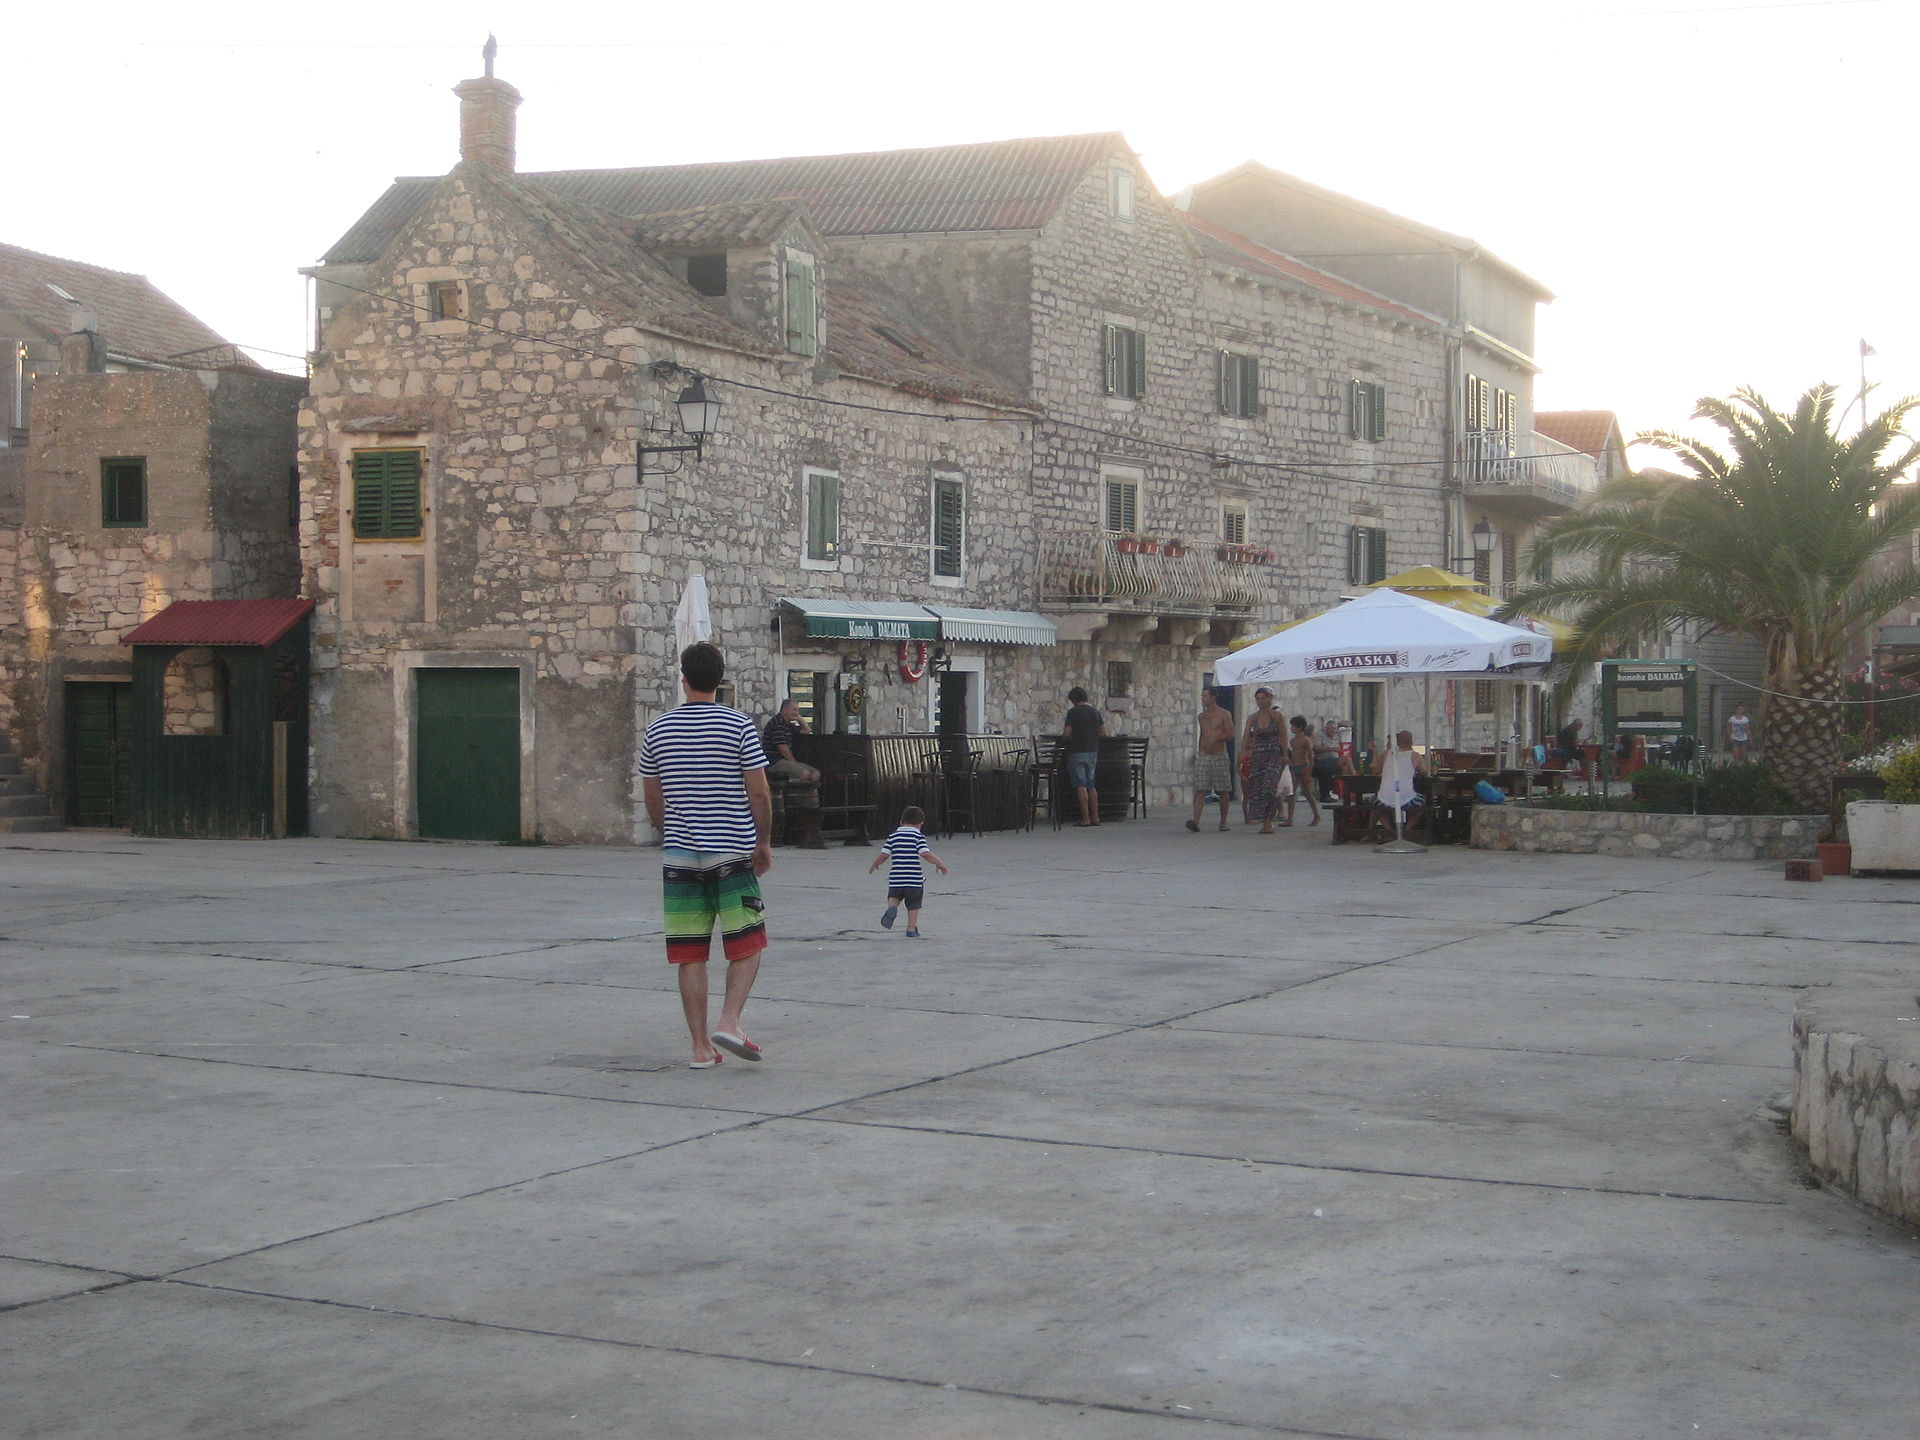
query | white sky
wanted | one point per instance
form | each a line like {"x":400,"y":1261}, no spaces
{"x":1718,"y":192}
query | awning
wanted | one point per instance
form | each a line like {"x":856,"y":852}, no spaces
{"x":1004,"y":627}
{"x":864,"y":619}
{"x":220,"y":622}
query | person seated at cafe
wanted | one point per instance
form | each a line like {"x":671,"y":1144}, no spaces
{"x":777,"y":740}
{"x":1567,"y":747}
{"x":1401,"y":757}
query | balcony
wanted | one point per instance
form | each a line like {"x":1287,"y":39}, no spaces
{"x":1518,"y":474}
{"x":1128,"y":585}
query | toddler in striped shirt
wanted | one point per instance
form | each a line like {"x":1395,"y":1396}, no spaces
{"x":907,"y":879}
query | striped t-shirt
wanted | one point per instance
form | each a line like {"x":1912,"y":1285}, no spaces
{"x":699,"y":752}
{"x":905,"y":846}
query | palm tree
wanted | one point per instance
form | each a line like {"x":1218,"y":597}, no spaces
{"x":1788,"y":537}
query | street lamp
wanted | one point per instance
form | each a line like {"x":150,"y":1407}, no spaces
{"x":1483,"y":542}
{"x":699,"y":417}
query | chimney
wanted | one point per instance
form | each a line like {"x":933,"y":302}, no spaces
{"x":83,"y":352}
{"x":486,"y":122}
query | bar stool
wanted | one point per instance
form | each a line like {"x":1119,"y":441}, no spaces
{"x":963,"y":795}
{"x":1043,"y":778}
{"x":1137,"y":777}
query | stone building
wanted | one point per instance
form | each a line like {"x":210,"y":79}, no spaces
{"x":148,"y":461}
{"x":1004,"y":397}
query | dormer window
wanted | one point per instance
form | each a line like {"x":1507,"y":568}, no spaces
{"x":446,"y":300}
{"x":708,"y":273}
{"x":803,"y":309}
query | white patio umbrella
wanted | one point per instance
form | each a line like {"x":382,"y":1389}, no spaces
{"x":692,"y":621}
{"x":1380,"y":635}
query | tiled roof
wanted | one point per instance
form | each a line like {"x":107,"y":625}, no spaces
{"x":1588,"y":431}
{"x":1001,"y":185}
{"x":747,"y":222}
{"x":1443,"y":238}
{"x":858,"y":342}
{"x":1223,"y":244}
{"x":135,"y":319}
{"x":220,"y":622}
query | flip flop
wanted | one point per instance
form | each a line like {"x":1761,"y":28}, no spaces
{"x":738,"y":1044}
{"x":705,"y":1064}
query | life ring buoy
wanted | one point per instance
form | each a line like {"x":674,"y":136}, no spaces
{"x":914,"y":670}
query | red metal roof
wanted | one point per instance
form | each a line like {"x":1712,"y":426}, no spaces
{"x":220,"y":622}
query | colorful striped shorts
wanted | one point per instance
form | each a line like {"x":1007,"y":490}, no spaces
{"x":701,"y":888}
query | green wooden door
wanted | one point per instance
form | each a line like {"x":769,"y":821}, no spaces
{"x":99,"y":753}
{"x":467,"y":749}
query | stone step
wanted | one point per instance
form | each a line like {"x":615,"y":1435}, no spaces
{"x":9,"y":764}
{"x":16,"y":785}
{"x":28,"y":824}
{"x":23,"y":804}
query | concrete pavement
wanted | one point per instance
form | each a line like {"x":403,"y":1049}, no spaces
{"x":1154,"y":1136}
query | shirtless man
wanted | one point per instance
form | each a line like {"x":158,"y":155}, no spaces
{"x":1212,"y":771}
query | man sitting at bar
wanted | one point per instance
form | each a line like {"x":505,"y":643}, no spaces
{"x":777,"y":739}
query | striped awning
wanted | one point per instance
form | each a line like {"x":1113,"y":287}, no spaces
{"x":1002,"y":627}
{"x":864,"y":619}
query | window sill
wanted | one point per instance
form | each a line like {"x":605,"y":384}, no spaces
{"x":948,"y":582}
{"x":808,"y":563}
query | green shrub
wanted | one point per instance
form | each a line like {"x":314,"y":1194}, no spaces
{"x":1664,"y":790}
{"x":1585,"y":802}
{"x":1902,"y":774}
{"x":1722,"y":790}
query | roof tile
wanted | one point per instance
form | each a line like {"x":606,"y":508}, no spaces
{"x":135,"y":319}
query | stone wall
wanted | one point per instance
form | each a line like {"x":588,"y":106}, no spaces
{"x":1856,"y":1094}
{"x":219,"y":450}
{"x":1615,"y":832}
{"x":542,"y":548}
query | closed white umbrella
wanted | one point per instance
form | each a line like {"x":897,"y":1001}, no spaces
{"x":692,"y":621}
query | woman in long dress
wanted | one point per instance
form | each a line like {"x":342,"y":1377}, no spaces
{"x":1266,"y":761}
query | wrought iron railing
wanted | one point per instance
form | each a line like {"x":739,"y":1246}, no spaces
{"x":1101,"y":567}
{"x":1506,"y":459}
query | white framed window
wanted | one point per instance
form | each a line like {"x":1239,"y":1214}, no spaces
{"x":1233,"y":524}
{"x":1120,"y":501}
{"x":820,"y":530}
{"x":1122,"y":193}
{"x":949,"y":537}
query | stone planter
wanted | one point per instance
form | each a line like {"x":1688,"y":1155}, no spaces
{"x":1884,"y":836}
{"x":1518,"y":826}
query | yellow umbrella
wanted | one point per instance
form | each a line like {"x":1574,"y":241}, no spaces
{"x":1463,"y":592}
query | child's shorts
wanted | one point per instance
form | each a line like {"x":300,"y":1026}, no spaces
{"x":909,"y":898}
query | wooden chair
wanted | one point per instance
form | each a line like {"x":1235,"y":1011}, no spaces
{"x":1043,"y":779}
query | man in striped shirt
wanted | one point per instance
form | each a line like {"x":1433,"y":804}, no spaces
{"x":705,"y":780}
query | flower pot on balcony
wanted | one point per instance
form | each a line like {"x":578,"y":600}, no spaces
{"x":1126,"y":547}
{"x":1149,"y":547}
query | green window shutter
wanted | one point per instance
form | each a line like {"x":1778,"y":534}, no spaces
{"x":949,"y":526}
{"x":1123,"y":505}
{"x":1376,"y":555}
{"x":1136,"y":363}
{"x":803,"y":331}
{"x":386,"y":494}
{"x":1249,"y":386}
{"x":1377,"y":412}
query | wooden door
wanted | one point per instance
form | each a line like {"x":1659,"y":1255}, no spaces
{"x":467,"y":753}
{"x":99,"y":753}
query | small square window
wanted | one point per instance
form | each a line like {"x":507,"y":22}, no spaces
{"x":123,"y":492}
{"x":708,"y":273}
{"x":446,"y":300}
{"x":1119,"y":679}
